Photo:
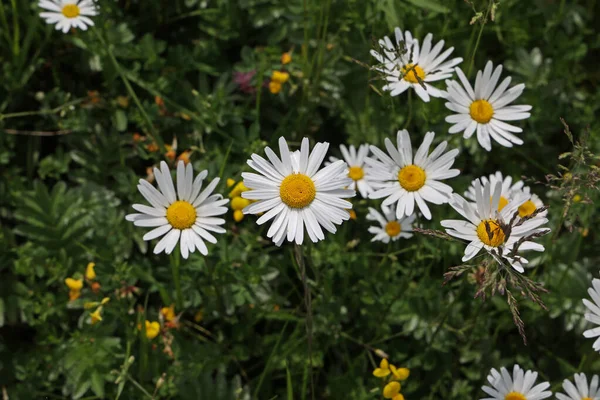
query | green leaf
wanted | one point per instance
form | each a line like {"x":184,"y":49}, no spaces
{"x":430,"y":5}
{"x":290,"y":389}
{"x":121,"y":120}
{"x":97,"y":382}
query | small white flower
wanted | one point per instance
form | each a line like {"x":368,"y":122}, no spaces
{"x":67,"y":14}
{"x":389,"y":227}
{"x":484,"y":223}
{"x":293,"y":190}
{"x":593,"y":315}
{"x":406,"y":181}
{"x":403,"y":62}
{"x":582,"y":391}
{"x":189,"y":218}
{"x":510,"y":191}
{"x":356,"y":167}
{"x":518,"y":387}
{"x":486,"y":108}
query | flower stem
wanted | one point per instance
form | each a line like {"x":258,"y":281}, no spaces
{"x":298,"y":252}
{"x":483,"y":22}
{"x":409,"y":109}
{"x":175,"y":262}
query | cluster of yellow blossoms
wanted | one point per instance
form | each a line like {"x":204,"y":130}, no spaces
{"x":75,"y":285}
{"x":393,"y":376}
{"x":238,"y":203}
{"x":278,"y":78}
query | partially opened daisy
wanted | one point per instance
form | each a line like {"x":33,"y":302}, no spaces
{"x":487,"y":227}
{"x":296,"y":194}
{"x":389,"y":227}
{"x":581,"y":390}
{"x":67,"y":14}
{"x":405,"y":180}
{"x":510,"y":190}
{"x":486,"y":109}
{"x":519,"y":386}
{"x":406,"y":64}
{"x":185,"y":216}
{"x":356,"y":167}
{"x":593,"y":314}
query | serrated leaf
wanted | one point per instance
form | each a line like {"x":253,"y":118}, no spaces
{"x":97,"y":382}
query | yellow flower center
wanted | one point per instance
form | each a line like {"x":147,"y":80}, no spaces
{"x":502,"y":203}
{"x":481,"y":111}
{"x":514,"y":396}
{"x":70,"y":11}
{"x":181,"y":215}
{"x":491,"y":234}
{"x":526,"y":209}
{"x":411,"y":178}
{"x":297,"y":190}
{"x":393,"y":228}
{"x":409,"y":73}
{"x":356,"y":173}
{"x":587,"y":398}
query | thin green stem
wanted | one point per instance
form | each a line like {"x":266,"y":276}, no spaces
{"x":5,"y":27}
{"x":41,"y":112}
{"x":409,"y":109}
{"x":16,"y":29}
{"x":298,"y":252}
{"x":483,"y":22}
{"x":175,"y":264}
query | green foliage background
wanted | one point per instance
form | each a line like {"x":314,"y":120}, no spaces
{"x":63,"y":198}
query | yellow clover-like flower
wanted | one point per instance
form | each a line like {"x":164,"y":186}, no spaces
{"x":96,"y":316}
{"x":383,"y":370}
{"x":168,"y":312}
{"x":74,"y":284}
{"x":90,"y":273}
{"x":400,"y":374}
{"x":152,"y":329}
{"x":391,"y":390}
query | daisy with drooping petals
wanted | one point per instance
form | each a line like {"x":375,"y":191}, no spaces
{"x":485,"y":108}
{"x":405,"y":180}
{"x":486,"y":226}
{"x":406,"y":64}
{"x":509,"y":191}
{"x":356,"y":167}
{"x":390,"y":227}
{"x":67,"y":14}
{"x":518,"y":387}
{"x":186,"y":216}
{"x":298,"y":195}
{"x":581,"y":390}
{"x":593,"y":315}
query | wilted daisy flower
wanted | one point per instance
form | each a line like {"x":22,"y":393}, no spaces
{"x":518,"y":387}
{"x":67,"y":14}
{"x":406,"y":64}
{"x":582,"y":391}
{"x":389,"y":227}
{"x":485,"y":109}
{"x":487,"y":227}
{"x":298,"y":195}
{"x":356,"y":167}
{"x":187,"y":216}
{"x":404,"y":180}
{"x":509,"y":191}
{"x":593,"y":315}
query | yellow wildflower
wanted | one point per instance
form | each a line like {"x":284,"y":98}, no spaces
{"x":352,"y":215}
{"x":400,"y":374}
{"x":238,"y":215}
{"x":96,"y":316}
{"x":105,"y":300}
{"x":577,"y":198}
{"x":230,"y":182}
{"x":152,"y":329}
{"x":90,"y":273}
{"x":383,"y":370}
{"x":286,"y":58}
{"x":239,"y":203}
{"x":274,"y":87}
{"x":279,"y":76}
{"x":74,"y":284}
{"x":391,"y":390}
{"x":168,"y":312}
{"x":185,"y":157}
{"x":170,"y":154}
{"x":237,"y":190}
{"x":74,"y":294}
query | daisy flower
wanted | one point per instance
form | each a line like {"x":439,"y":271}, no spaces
{"x":404,"y":180}
{"x":485,"y":226}
{"x":390,"y":227}
{"x":406,"y":64}
{"x":67,"y":14}
{"x":593,"y":315}
{"x":582,"y":391}
{"x":518,"y":387}
{"x":356,"y":167}
{"x":509,"y":191}
{"x":485,"y":109}
{"x":186,"y":216}
{"x":292,"y":190}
